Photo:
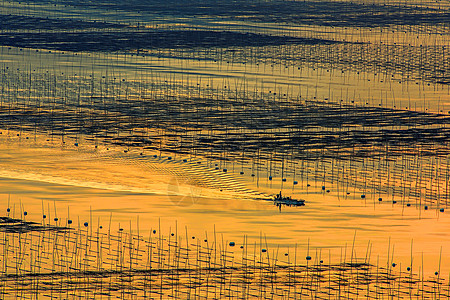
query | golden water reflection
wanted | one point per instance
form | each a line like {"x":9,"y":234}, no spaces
{"x":101,"y":186}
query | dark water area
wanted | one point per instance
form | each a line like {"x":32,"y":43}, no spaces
{"x":322,"y":13}
{"x":94,"y":41}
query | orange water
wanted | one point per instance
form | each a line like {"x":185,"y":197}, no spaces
{"x":85,"y":183}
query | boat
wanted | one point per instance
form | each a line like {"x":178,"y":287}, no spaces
{"x":280,"y":200}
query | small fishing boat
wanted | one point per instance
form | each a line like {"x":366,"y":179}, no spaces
{"x":280,"y":200}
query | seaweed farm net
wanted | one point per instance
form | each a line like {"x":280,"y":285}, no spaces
{"x":330,"y":100}
{"x":48,"y":261}
{"x":402,"y":153}
{"x":358,"y":97}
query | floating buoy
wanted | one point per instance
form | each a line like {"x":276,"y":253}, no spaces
{"x":86,"y":224}
{"x":172,"y":234}
{"x":242,"y":247}
{"x":76,"y":144}
{"x":242,"y":173}
{"x":154,"y":231}
{"x":25,"y":213}
{"x":44,"y":216}
{"x":55,"y":219}
{"x":380,"y":199}
{"x":363,"y":196}
{"x":408,"y":204}
{"x":393,"y":202}
{"x":264,"y":250}
{"x":323,"y":187}
{"x":426,"y":207}
{"x":308,"y":257}
{"x":295,"y":182}
{"x":441,"y":210}
{"x":69,"y":221}
{"x":394,"y":264}
{"x":232,"y":244}
{"x":253,"y":175}
{"x":284,"y":179}
{"x":184,"y":160}
{"x":270,"y":177}
{"x":436,"y":273}
{"x":321,"y":261}
{"x":169,"y":158}
{"x":8,"y":209}
{"x":408,"y":269}
{"x":225,"y":170}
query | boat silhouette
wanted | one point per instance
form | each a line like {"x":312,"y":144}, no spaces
{"x":280,"y":200}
